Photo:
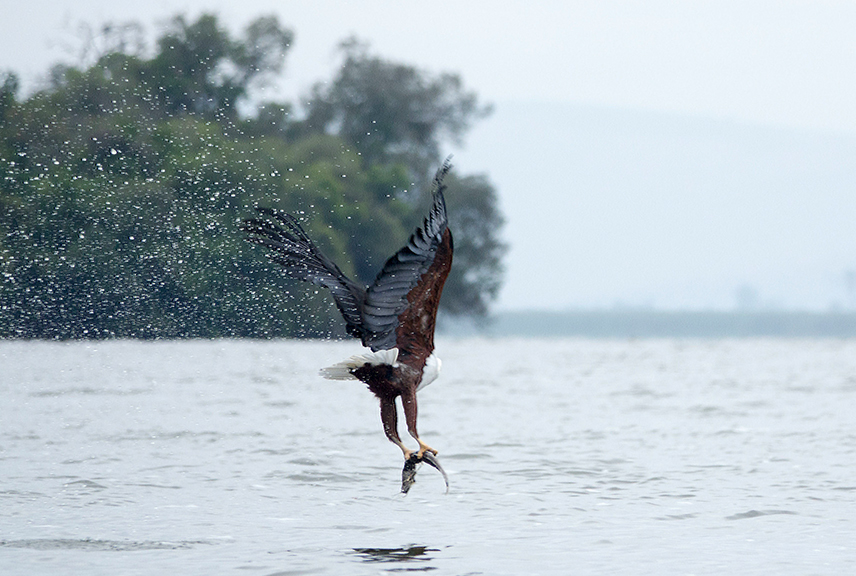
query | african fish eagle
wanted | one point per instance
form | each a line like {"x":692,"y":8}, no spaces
{"x":394,"y":317}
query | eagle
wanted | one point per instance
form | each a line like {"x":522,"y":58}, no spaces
{"x":394,"y":317}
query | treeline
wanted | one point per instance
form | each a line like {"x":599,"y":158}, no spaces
{"x":123,"y":184}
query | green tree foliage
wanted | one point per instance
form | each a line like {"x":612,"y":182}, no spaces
{"x":396,"y":114}
{"x":476,"y":276}
{"x":392,"y":112}
{"x":122,"y":186}
{"x":8,"y":91}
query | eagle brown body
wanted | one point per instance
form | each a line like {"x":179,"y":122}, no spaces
{"x":415,"y":338}
{"x":395,"y":317}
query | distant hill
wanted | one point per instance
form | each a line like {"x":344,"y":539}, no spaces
{"x":662,"y":324}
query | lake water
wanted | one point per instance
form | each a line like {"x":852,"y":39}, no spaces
{"x":564,"y":456}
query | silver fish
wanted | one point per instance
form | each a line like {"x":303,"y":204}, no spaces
{"x":408,"y":473}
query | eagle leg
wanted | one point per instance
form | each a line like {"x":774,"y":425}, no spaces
{"x":389,"y":418}
{"x":408,"y":402}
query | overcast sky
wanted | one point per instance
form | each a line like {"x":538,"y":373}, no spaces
{"x":662,"y":153}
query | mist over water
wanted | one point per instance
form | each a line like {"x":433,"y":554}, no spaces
{"x":649,"y":456}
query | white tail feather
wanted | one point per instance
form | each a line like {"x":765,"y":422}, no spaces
{"x":344,"y":370}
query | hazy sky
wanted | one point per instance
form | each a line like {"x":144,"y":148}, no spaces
{"x":662,"y":153}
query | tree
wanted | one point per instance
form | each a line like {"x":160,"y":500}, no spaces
{"x":393,"y":112}
{"x":8,"y":93}
{"x":199,"y":68}
{"x":124,"y":182}
{"x":396,"y":114}
{"x":476,"y":277}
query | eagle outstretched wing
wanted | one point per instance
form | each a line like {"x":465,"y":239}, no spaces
{"x":292,"y":248}
{"x":405,"y":274}
{"x":399,"y":309}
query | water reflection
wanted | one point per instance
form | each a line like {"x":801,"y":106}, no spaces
{"x":408,"y":554}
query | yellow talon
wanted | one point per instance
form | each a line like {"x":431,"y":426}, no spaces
{"x":423,"y":447}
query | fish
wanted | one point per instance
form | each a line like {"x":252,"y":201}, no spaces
{"x":408,"y":473}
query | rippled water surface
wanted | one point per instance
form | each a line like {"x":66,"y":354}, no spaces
{"x":565,"y":457}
